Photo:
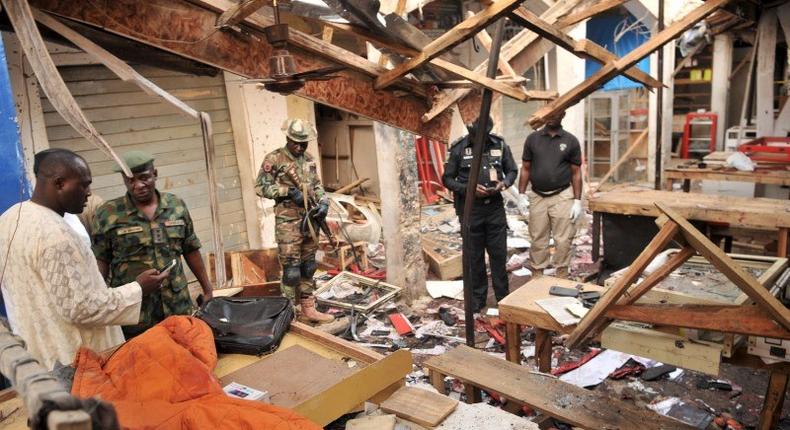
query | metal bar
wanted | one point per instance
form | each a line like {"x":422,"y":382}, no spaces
{"x":208,"y":149}
{"x":474,"y":174}
{"x":660,"y":101}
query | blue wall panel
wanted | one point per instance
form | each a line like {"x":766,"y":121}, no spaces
{"x":602,"y":29}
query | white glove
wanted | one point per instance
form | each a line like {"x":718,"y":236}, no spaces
{"x":576,"y":210}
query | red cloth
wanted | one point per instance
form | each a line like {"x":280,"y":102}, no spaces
{"x":163,"y":379}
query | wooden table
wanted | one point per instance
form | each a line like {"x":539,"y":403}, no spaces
{"x":753,"y":213}
{"x":761,"y":175}
{"x":519,"y":309}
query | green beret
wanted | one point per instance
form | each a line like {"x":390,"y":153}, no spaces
{"x":136,"y":160}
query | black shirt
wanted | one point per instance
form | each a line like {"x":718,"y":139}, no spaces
{"x":497,"y":161}
{"x":551,"y":158}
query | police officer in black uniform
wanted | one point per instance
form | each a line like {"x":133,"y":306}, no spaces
{"x":488,"y":229}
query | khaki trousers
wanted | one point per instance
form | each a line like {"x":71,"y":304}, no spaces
{"x":550,"y":217}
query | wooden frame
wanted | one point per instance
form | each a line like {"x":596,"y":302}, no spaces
{"x":612,"y":68}
{"x":675,"y":227}
{"x":454,"y":36}
{"x":391,"y":292}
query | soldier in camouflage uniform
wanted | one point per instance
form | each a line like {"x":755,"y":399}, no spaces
{"x":290,"y":178}
{"x":146,"y":229}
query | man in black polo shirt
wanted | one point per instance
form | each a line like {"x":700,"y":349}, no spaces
{"x":488,"y":223}
{"x":551,"y":162}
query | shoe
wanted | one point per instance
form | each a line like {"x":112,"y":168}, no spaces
{"x":308,"y":312}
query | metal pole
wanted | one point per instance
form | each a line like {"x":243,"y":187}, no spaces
{"x":474,"y":174}
{"x":213,"y":198}
{"x":660,"y":100}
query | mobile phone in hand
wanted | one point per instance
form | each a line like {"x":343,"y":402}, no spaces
{"x":169,"y":266}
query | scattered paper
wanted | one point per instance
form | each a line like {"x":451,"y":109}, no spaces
{"x":522,"y":272}
{"x":557,"y":308}
{"x":685,"y":412}
{"x":492,"y":312}
{"x":517,"y":242}
{"x":596,"y":370}
{"x":449,"y":289}
{"x":577,"y":309}
{"x":436,"y":350}
{"x":528,"y":351}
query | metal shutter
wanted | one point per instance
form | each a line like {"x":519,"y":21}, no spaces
{"x":132,"y":120}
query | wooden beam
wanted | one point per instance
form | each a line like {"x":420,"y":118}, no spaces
{"x":782,"y":123}
{"x":593,"y":320}
{"x":116,"y":65}
{"x":583,"y":49}
{"x":623,"y":158}
{"x":357,"y":388}
{"x":520,"y":52}
{"x":747,"y":283}
{"x":492,"y":84}
{"x":151,"y":23}
{"x":239,"y":12}
{"x":485,"y":39}
{"x":630,"y":297}
{"x":454,"y":36}
{"x":746,"y":320}
{"x":614,"y":67}
{"x":764,"y":82}
{"x":588,"y":12}
{"x":664,"y":347}
{"x":49,"y":79}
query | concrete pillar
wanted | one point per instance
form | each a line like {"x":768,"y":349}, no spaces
{"x":668,"y":100}
{"x":719,"y":99}
{"x":257,"y":116}
{"x":400,"y":208}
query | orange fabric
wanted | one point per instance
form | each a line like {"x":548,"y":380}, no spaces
{"x":163,"y":379}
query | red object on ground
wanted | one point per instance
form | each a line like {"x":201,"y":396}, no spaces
{"x":164,"y":379}
{"x":492,"y":331}
{"x":401,"y":324}
{"x":567,"y":367}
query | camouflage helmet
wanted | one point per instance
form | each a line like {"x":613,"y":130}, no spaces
{"x":299,"y":130}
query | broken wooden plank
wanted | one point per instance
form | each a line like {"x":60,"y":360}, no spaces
{"x":631,"y":296}
{"x":240,"y":12}
{"x":423,"y":407}
{"x":664,"y":347}
{"x":518,"y":51}
{"x":747,"y":319}
{"x":588,"y":12}
{"x":596,"y":317}
{"x":49,"y":79}
{"x":747,"y":283}
{"x":485,"y":39}
{"x":587,"y":49}
{"x":119,"y":67}
{"x":452,"y":37}
{"x":148,"y":23}
{"x":629,"y":60}
{"x":357,"y":388}
{"x":565,"y":402}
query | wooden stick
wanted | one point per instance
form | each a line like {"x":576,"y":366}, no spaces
{"x":623,"y":158}
{"x":747,"y":320}
{"x":454,"y":36}
{"x":345,"y":189}
{"x":597,"y":314}
{"x":590,"y":11}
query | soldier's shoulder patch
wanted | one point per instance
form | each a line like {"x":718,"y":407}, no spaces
{"x":175,"y":222}
{"x":267,"y":166}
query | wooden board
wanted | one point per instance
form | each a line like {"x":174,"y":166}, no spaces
{"x":423,"y":407}
{"x":446,"y":267}
{"x":376,"y":422}
{"x":520,"y":306}
{"x":758,"y":213}
{"x":667,"y":348}
{"x":566,"y":402}
{"x":291,"y":376}
{"x":759,"y":176}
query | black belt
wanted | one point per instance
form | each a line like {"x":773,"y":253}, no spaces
{"x":551,"y":193}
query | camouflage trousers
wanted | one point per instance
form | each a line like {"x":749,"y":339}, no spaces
{"x":294,"y":250}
